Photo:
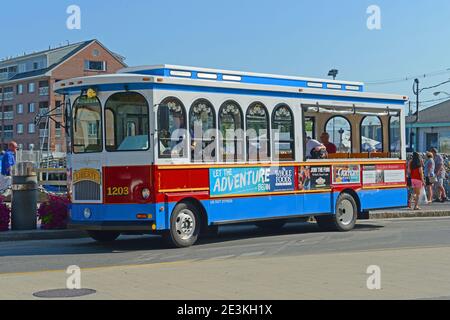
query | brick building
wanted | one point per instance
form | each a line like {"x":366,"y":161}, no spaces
{"x":26,"y":90}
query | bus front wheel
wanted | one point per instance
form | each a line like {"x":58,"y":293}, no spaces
{"x":184,"y":226}
{"x":104,"y":236}
{"x":345,"y":217}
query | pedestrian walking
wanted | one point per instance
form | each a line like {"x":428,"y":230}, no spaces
{"x":440,"y":173}
{"x":430,"y":176}
{"x":417,"y":178}
{"x":8,"y":162}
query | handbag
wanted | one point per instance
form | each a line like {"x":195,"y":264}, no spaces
{"x":433,"y":180}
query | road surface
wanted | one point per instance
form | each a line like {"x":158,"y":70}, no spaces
{"x":243,"y":262}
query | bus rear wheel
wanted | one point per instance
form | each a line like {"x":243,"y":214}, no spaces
{"x":345,"y":218}
{"x":184,"y":226}
{"x":104,"y":236}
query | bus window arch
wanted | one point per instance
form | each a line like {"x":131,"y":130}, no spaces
{"x":128,"y":114}
{"x":203,"y":131}
{"x":395,"y":135}
{"x":371,"y":130}
{"x":172,"y":124}
{"x":231,"y":126}
{"x":284,"y":135}
{"x":257,"y":132}
{"x":340,"y":131}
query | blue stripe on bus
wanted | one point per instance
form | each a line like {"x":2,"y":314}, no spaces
{"x":251,"y":79}
{"x":252,"y":92}
{"x":238,"y":209}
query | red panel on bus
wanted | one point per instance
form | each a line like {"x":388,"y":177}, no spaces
{"x":183,"y":179}
{"x":125,"y":184}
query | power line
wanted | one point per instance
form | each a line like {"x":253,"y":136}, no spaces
{"x":408,"y":78}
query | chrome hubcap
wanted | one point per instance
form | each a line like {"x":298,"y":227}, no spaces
{"x":345,"y":212}
{"x":185,"y":224}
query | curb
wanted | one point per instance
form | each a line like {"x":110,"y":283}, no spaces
{"x":408,"y":214}
{"x":41,"y":235}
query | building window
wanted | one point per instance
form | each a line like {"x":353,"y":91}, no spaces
{"x":20,"y":89}
{"x":31,"y":128}
{"x":95,"y":65}
{"x":31,"y":107}
{"x":127,"y":113}
{"x":231,"y":126}
{"x":172,"y":126}
{"x":371,"y":134}
{"x":31,"y":87}
{"x":283,"y":127}
{"x":340,"y":132}
{"x":203,"y":130}
{"x":19,"y":128}
{"x":258,"y":133}
{"x":19,"y":108}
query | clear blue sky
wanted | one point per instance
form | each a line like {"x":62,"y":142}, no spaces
{"x":295,"y":37}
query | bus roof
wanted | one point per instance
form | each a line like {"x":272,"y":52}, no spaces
{"x":243,"y":77}
{"x":189,"y":78}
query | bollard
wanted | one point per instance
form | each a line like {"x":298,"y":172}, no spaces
{"x":24,"y":201}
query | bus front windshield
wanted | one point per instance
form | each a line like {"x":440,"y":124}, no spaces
{"x":87,"y":125}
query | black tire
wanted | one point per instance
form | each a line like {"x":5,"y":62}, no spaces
{"x":104,"y":236}
{"x":271,"y":224}
{"x":345,"y":218}
{"x":185,"y":225}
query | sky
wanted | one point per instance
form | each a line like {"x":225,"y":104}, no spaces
{"x":291,"y":37}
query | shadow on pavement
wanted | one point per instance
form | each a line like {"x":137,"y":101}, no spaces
{"x":158,"y":244}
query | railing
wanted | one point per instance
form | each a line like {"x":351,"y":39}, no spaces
{"x":7,"y":96}
{"x":43,"y":133}
{"x":8,"y":115}
{"x":43,"y":111}
{"x":43,"y":91}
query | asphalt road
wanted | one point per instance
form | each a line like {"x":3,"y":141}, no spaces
{"x":247,"y":241}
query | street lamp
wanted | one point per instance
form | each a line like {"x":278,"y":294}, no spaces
{"x":441,"y":92}
{"x":333,"y":73}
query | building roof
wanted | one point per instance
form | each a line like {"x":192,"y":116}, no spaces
{"x":54,"y":57}
{"x":439,"y":113}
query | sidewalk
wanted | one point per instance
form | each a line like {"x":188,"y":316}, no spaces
{"x":427,"y":210}
{"x":40,"y":234}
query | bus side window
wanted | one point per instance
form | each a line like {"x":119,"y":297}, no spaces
{"x":172,"y":135}
{"x":283,"y":128}
{"x":232,"y":132}
{"x":203,"y":131}
{"x":258,"y":133}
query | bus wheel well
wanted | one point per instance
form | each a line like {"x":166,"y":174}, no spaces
{"x":355,"y":196}
{"x":201,"y":209}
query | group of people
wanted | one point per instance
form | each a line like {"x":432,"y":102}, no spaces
{"x":427,"y":175}
{"x":319,"y":149}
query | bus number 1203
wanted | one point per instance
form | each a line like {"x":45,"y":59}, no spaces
{"x":118,"y":191}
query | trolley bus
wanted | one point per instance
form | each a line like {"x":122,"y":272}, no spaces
{"x":179,"y":151}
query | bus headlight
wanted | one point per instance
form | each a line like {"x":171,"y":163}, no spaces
{"x":145,"y":194}
{"x":87,"y":213}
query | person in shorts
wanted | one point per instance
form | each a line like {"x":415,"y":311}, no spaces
{"x":417,"y":178}
{"x":430,"y":176}
{"x":440,"y":173}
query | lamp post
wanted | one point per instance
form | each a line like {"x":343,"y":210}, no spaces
{"x":441,"y":92}
{"x":333,"y":73}
{"x":341,"y":139}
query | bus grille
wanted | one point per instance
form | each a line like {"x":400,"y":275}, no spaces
{"x":87,"y":191}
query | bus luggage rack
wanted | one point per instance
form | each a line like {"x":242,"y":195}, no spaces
{"x":87,"y":191}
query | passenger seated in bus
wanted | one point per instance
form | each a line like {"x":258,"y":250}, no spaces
{"x":325,"y":139}
{"x":315,"y":149}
